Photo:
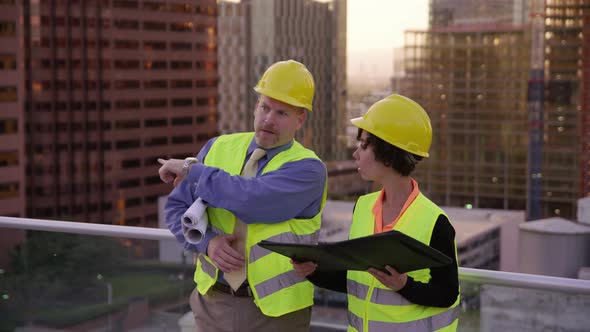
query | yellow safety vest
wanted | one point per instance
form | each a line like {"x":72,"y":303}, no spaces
{"x":372,"y":307}
{"x":277,"y":290}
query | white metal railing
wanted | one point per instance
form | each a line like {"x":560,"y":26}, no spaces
{"x":476,"y":276}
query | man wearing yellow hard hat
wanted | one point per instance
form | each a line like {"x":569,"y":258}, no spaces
{"x":394,"y":135}
{"x":260,"y":185}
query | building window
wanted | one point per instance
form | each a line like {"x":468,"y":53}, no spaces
{"x":183,"y":121}
{"x":8,"y":126}
{"x":181,"y":64}
{"x":154,"y":26}
{"x":180,"y":46}
{"x":8,"y":94}
{"x":130,"y":183}
{"x":127,"y":124}
{"x":125,"y":4}
{"x":127,"y":24}
{"x":127,"y":144}
{"x":127,"y":84}
{"x":150,"y":180}
{"x":181,"y":26}
{"x":155,"y":84}
{"x":130,"y":163}
{"x":154,"y":6}
{"x":7,"y":62}
{"x":9,"y":190}
{"x":131,"y":202}
{"x":127,"y":64}
{"x":181,"y":84}
{"x":127,"y":104}
{"x":182,"y":102}
{"x":180,"y":8}
{"x":155,"y":65}
{"x":162,"y":122}
{"x":154,"y":45}
{"x":126,"y":44}
{"x":7,"y":29}
{"x":8,"y":158}
{"x":155,"y":141}
{"x":182,"y":139}
{"x":155,"y":103}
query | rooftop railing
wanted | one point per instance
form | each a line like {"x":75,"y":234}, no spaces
{"x":487,"y":294}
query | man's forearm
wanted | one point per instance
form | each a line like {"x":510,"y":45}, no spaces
{"x":294,"y":191}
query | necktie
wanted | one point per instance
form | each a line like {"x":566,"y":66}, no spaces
{"x":237,"y":277}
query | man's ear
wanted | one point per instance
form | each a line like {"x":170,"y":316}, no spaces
{"x":301,"y":119}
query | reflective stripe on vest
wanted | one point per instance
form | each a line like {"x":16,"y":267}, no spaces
{"x":275,"y":287}
{"x":428,"y":324}
{"x":371,"y":305}
{"x":379,"y":296}
{"x":277,"y":283}
{"x":355,"y":321}
{"x":207,"y":267}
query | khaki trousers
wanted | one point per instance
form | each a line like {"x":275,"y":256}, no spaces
{"x":220,"y":312}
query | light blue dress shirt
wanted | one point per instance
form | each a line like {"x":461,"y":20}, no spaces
{"x":293,"y":191}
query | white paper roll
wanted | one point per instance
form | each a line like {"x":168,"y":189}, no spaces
{"x":195,"y":221}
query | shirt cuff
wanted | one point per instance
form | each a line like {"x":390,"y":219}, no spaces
{"x":408,"y":287}
{"x":194,"y":174}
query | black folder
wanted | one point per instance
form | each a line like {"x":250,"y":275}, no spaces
{"x":392,"y":248}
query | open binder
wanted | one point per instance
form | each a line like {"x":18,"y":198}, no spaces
{"x":392,"y":248}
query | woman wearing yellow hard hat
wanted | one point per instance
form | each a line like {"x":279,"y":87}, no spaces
{"x":394,"y":135}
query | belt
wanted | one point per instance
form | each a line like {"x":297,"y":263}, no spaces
{"x":243,"y":291}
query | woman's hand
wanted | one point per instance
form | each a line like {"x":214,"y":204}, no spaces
{"x":393,"y":279}
{"x":303,"y":269}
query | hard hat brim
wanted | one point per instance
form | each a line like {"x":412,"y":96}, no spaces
{"x":360,"y":123}
{"x":365,"y":125}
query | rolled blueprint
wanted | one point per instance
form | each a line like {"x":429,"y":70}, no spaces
{"x":195,"y":221}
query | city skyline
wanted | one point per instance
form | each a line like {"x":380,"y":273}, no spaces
{"x":90,"y":75}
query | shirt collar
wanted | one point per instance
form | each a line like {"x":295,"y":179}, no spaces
{"x":270,"y":153}
{"x":378,"y":209}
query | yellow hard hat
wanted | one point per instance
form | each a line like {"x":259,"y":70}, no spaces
{"x":288,"y":81}
{"x":399,"y":121}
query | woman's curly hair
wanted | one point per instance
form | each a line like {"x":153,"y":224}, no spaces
{"x":399,"y":160}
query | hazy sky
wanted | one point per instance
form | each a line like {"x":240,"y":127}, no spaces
{"x":375,"y":27}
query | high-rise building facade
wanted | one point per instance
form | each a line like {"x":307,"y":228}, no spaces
{"x":470,"y":13}
{"x":12,"y":161}
{"x":109,"y":87}
{"x":506,"y":134}
{"x":12,"y":158}
{"x":585,"y":105}
{"x":236,"y":112}
{"x":566,"y":111}
{"x":256,"y":33}
{"x":473,"y":84}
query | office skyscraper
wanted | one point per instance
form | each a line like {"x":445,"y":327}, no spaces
{"x":107,"y":88}
{"x":256,"y":33}
{"x":507,"y":134}
{"x":12,"y":158}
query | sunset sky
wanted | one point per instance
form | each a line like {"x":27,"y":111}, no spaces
{"x":375,"y":27}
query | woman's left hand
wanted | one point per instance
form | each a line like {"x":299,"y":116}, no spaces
{"x":393,"y":279}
